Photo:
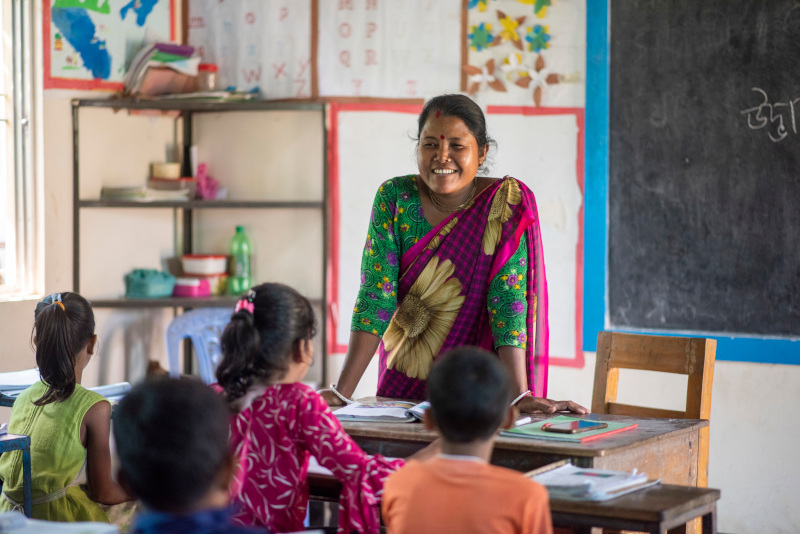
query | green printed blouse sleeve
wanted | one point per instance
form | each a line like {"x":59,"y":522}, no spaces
{"x":508,"y":308}
{"x":380,"y":266}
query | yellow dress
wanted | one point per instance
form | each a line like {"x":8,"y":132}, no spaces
{"x":57,"y":456}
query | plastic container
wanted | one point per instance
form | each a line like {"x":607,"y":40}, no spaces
{"x":148,"y":284}
{"x":165,"y":170}
{"x":204,"y":264}
{"x":240,"y":278}
{"x":218,"y":283}
{"x":207,"y":77}
{"x":192,"y":287}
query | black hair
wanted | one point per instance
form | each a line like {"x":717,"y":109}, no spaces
{"x":469,"y":390}
{"x":172,"y":441}
{"x":63,"y":325}
{"x":462,"y":107}
{"x":258,"y":346}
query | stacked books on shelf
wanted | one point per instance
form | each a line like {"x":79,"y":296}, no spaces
{"x":383,"y":411}
{"x":535,"y":430}
{"x":162,"y":68}
{"x":14,"y":383}
{"x":144,"y":194}
{"x":565,"y":481}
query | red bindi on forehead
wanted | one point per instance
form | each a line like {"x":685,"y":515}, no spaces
{"x":441,"y":137}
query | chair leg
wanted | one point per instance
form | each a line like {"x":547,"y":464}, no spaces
{"x":26,"y":481}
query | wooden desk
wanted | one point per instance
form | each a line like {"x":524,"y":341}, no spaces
{"x":656,"y":510}
{"x":665,"y":448}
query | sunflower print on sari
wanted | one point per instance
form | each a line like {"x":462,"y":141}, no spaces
{"x":423,"y":320}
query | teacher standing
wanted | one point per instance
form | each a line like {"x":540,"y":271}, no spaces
{"x":451,"y":259}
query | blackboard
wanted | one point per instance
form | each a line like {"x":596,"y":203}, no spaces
{"x":704,"y":166}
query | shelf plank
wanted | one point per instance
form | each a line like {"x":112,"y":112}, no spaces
{"x":203,"y":204}
{"x":173,"y":302}
{"x":199,"y":105}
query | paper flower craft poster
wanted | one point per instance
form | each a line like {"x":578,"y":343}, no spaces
{"x":539,"y":6}
{"x":538,"y":38}
{"x":479,"y":78}
{"x":481,"y":37}
{"x":538,"y":48}
{"x":510,"y":31}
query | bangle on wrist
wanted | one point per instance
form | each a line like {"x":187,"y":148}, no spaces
{"x":520,"y":397}
{"x":344,"y":399}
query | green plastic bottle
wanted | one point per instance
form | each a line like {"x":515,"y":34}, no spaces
{"x":239,"y":280}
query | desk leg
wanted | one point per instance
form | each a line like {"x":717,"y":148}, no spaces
{"x":26,"y":481}
{"x":710,"y":522}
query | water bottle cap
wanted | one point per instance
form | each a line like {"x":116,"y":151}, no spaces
{"x":240,"y":229}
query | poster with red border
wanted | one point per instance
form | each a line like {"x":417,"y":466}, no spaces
{"x":544,"y":147}
{"x":88,"y":44}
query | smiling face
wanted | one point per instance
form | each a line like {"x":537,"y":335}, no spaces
{"x":448,"y":155}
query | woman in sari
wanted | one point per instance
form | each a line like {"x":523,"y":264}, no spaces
{"x":451,"y":259}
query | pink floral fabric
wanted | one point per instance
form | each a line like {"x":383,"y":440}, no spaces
{"x":273,"y":439}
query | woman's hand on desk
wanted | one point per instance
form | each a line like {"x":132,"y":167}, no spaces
{"x":331,"y":398}
{"x":542,"y":405}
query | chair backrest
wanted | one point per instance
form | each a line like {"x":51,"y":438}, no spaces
{"x":204,"y":327}
{"x":693,"y":357}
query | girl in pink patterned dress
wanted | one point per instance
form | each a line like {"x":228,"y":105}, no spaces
{"x":278,"y":422}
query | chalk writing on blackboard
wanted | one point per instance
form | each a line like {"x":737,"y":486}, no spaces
{"x":757,"y":120}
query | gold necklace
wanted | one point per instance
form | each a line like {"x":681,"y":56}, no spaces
{"x":447,"y":209}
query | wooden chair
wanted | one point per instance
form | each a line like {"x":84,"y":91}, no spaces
{"x":682,"y":355}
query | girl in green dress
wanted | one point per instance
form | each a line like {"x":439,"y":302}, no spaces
{"x":68,"y":424}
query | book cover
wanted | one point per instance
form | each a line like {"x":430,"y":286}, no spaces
{"x":534,"y":430}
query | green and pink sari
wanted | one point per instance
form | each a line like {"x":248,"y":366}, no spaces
{"x":445,"y":284}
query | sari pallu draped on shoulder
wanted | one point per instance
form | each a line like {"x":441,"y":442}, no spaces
{"x":444,"y":284}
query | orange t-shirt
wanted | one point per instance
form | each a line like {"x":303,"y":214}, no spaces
{"x":464,"y":496}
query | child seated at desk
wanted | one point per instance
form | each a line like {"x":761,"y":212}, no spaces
{"x":459,"y":491}
{"x":172,"y":442}
{"x":67,"y":423}
{"x":278,"y":422}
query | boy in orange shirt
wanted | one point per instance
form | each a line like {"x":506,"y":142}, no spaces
{"x":458,"y":490}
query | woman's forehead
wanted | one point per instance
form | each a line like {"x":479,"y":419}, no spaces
{"x":447,"y":125}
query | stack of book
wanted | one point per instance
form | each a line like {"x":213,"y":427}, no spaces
{"x":162,"y":68}
{"x":565,"y":481}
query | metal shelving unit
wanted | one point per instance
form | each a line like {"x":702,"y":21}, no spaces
{"x":185,"y":209}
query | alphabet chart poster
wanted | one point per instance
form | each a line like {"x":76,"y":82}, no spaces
{"x":389,"y":48}
{"x":257,"y":44}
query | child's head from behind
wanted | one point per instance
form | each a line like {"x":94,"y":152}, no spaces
{"x":63,"y":328}
{"x":172,"y":441}
{"x":469,"y":390}
{"x":271,"y":324}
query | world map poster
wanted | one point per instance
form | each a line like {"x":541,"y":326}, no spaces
{"x":89,"y":44}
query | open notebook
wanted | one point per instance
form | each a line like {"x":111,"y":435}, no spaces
{"x":384,"y":411}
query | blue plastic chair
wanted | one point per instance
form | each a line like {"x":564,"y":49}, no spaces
{"x":17,"y":442}
{"x":204,"y":326}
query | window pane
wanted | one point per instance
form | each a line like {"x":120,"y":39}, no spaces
{"x":6,"y":170}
